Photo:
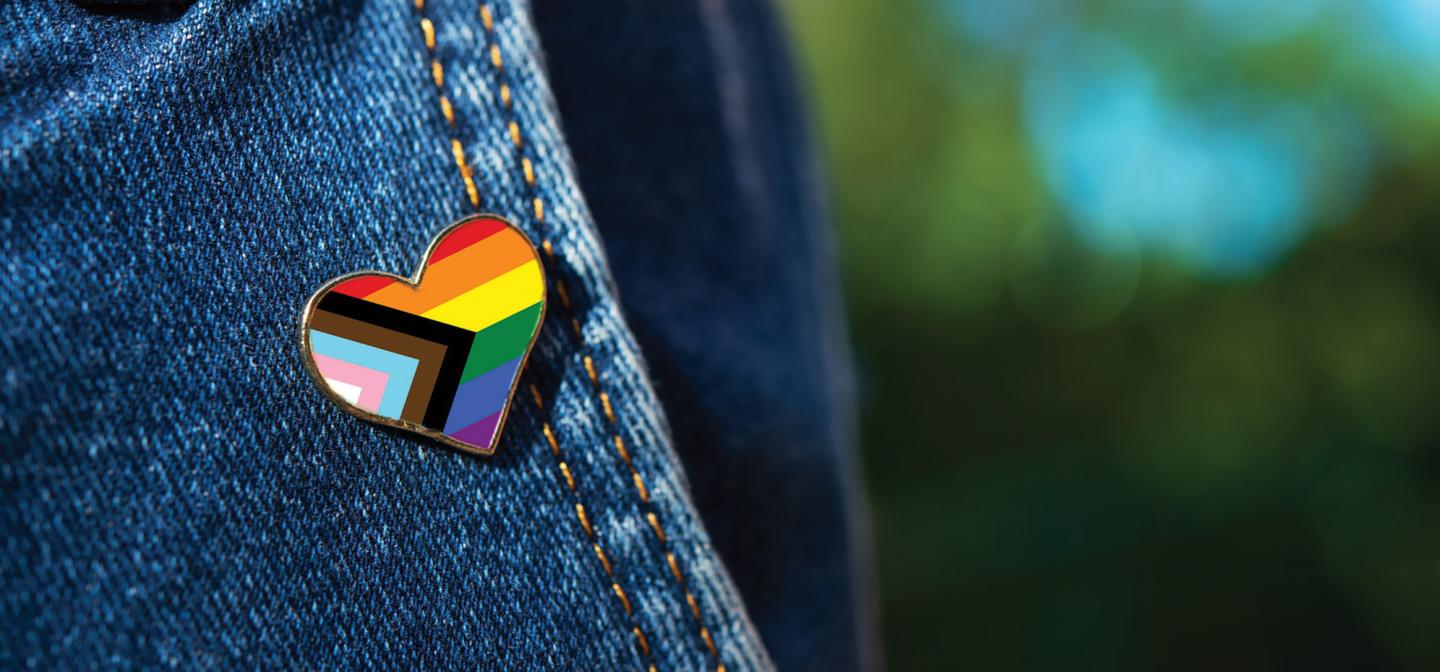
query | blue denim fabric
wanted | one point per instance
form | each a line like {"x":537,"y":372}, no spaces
{"x":173,"y":186}
{"x":691,"y":148}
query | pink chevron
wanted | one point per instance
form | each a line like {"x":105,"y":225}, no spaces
{"x":371,"y":382}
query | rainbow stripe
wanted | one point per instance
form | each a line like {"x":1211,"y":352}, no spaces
{"x":441,"y":356}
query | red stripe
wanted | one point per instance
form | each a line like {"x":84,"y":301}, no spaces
{"x":468,"y":234}
{"x":363,"y":286}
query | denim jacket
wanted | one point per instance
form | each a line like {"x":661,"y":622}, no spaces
{"x":175,"y":180}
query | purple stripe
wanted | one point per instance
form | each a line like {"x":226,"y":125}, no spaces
{"x":480,"y":433}
{"x":481,"y":396}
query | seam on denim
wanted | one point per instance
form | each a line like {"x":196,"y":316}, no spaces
{"x":437,"y":73}
{"x":652,"y":519}
{"x":585,"y":524}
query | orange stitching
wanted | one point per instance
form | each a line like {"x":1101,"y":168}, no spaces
{"x":585,"y":524}
{"x":446,"y":110}
{"x":620,"y":593}
{"x":609,"y":410}
{"x":564,"y":295}
{"x":528,"y":172}
{"x":604,"y":560}
{"x":584,"y":519}
{"x":549,"y":436}
{"x":437,"y":74}
{"x":644,"y":643}
{"x":674,"y":566}
{"x":620,"y":448}
{"x":640,"y":487}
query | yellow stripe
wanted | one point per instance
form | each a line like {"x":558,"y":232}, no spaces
{"x":493,"y":301}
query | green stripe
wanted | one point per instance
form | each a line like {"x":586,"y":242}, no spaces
{"x":501,"y":342}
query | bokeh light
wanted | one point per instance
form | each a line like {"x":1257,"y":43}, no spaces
{"x":1145,"y":305}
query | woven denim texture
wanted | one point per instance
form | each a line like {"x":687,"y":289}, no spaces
{"x":175,"y":183}
{"x":713,"y":218}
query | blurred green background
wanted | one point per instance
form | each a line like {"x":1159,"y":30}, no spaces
{"x":1144,"y":296}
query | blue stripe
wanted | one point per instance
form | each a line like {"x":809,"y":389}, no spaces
{"x":481,"y":396}
{"x":400,"y":368}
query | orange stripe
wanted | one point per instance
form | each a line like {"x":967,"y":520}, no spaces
{"x":465,"y":236}
{"x":459,"y":273}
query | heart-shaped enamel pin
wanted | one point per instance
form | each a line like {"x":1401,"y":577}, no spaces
{"x":439,"y":354}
